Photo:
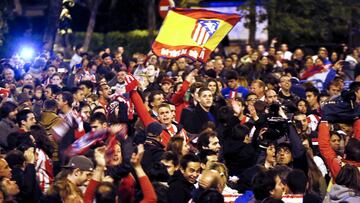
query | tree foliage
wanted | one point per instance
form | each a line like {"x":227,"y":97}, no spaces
{"x":309,"y":21}
{"x":187,"y":3}
{"x":5,"y":14}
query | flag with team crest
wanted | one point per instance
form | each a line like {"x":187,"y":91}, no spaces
{"x":193,"y":33}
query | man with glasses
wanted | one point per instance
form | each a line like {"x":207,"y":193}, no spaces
{"x":284,"y":92}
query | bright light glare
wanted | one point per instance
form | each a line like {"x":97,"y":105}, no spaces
{"x":27,"y":52}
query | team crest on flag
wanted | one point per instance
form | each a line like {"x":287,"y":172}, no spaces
{"x":192,"y":33}
{"x":203,"y":30}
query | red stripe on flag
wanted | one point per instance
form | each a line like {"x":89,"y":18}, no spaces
{"x":196,"y":32}
{"x":206,"y":38}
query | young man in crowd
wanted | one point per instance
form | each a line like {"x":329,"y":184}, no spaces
{"x":181,"y":184}
{"x":196,"y":120}
{"x":312,"y":97}
{"x":267,"y":185}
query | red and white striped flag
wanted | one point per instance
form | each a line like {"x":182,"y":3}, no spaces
{"x":203,"y":30}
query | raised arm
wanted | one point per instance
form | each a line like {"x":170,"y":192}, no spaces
{"x":297,"y":147}
{"x":178,"y":97}
{"x":326,"y":151}
{"x":145,"y":184}
{"x":356,"y":128}
{"x":130,"y":85}
{"x":97,"y":176}
{"x":140,"y":108}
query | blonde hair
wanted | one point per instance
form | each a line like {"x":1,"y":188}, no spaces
{"x":66,"y":190}
{"x":219,"y":167}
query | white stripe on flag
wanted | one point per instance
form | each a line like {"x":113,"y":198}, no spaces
{"x":201,"y":36}
{"x":196,"y":33}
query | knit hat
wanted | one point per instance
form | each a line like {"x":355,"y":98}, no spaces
{"x":154,"y":129}
{"x":81,"y":162}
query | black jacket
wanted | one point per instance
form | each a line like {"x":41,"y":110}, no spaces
{"x":153,"y":152}
{"x":179,"y":188}
{"x":238,"y":156}
{"x":26,"y":180}
{"x":194,"y":120}
{"x":298,"y":151}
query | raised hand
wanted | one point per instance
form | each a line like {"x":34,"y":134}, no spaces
{"x":137,"y":157}
{"x":191,"y":76}
{"x":99,"y":156}
{"x":253,"y":113}
{"x":236,"y":107}
{"x":118,"y":128}
{"x":338,"y":65}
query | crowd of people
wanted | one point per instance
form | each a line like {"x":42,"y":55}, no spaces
{"x":262,"y":125}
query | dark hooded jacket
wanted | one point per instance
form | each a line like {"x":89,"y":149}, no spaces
{"x":179,"y":188}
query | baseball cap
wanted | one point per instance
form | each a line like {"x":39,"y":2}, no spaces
{"x":154,"y":129}
{"x":81,"y":162}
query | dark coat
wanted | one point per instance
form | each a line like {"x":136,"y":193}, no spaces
{"x":6,"y":127}
{"x":194,"y":120}
{"x":179,"y":188}
{"x":153,"y":152}
{"x":26,"y":180}
{"x":238,"y":156}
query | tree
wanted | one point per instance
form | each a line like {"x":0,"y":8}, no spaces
{"x":308,"y":21}
{"x":151,"y":18}
{"x":187,"y":3}
{"x":250,"y":15}
{"x":5,"y":14}
{"x":93,"y":6}
{"x":54,"y":9}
